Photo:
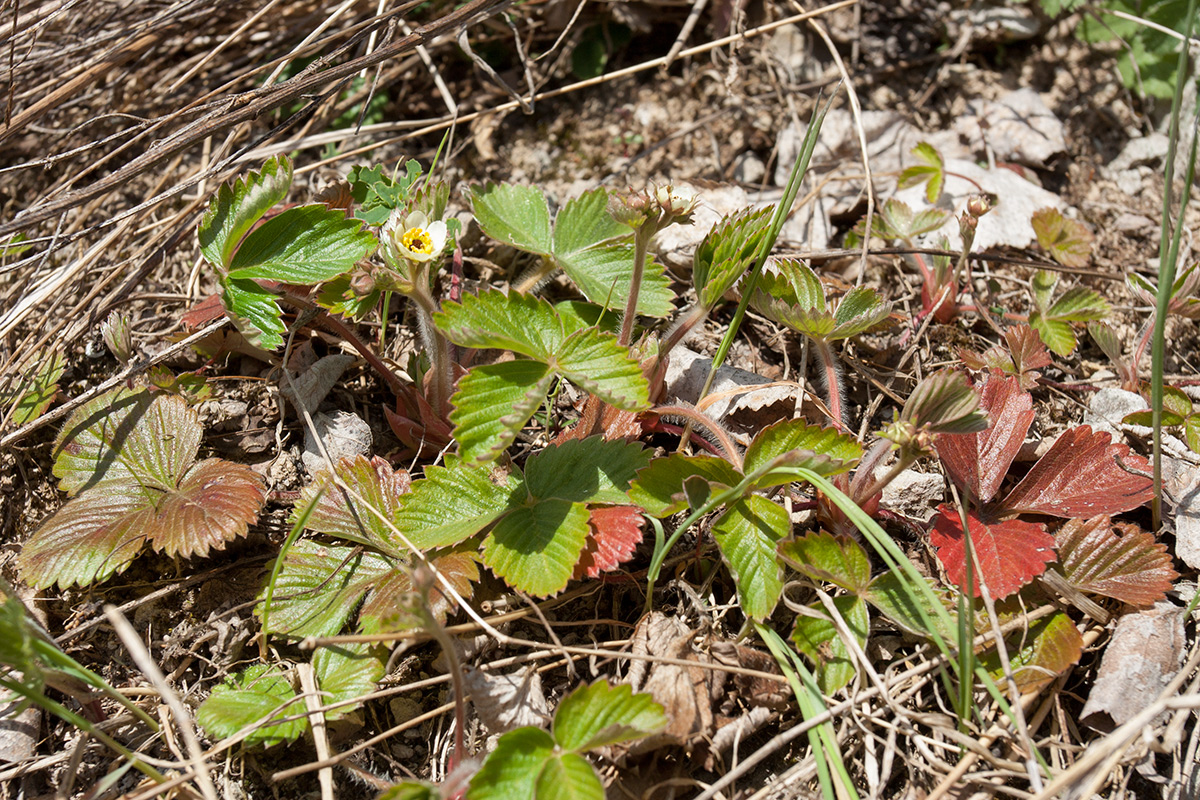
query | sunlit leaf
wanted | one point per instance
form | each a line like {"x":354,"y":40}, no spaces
{"x":614,"y":534}
{"x":260,"y":692}
{"x":339,"y":514}
{"x":453,"y":503}
{"x":910,"y":608}
{"x":390,"y":603}
{"x":215,"y":503}
{"x":590,"y":470}
{"x":237,"y":206}
{"x":515,"y":215}
{"x":346,"y":672}
{"x":535,"y":548}
{"x":1011,"y":553}
{"x":492,"y":319}
{"x":931,"y":171}
{"x":305,"y":245}
{"x":822,"y":450}
{"x":1121,"y":561}
{"x":727,"y":252}
{"x":1068,"y":241}
{"x":1083,"y":474}
{"x":35,"y":394}
{"x":944,"y":403}
{"x":319,"y":587}
{"x":599,"y":715}
{"x":254,"y":311}
{"x":595,"y":362}
{"x":748,"y":534}
{"x":659,"y":487}
{"x":511,"y":771}
{"x":1039,"y":655}
{"x":834,"y":559}
{"x":492,"y":404}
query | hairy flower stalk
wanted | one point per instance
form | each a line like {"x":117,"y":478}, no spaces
{"x":411,"y":243}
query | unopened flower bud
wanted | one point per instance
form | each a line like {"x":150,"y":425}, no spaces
{"x":362,"y":283}
{"x":978,"y":205}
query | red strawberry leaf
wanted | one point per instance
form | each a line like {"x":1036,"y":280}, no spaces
{"x":614,"y":533}
{"x":1011,"y":552}
{"x":978,"y":462}
{"x":1084,"y":474}
{"x":1121,"y":561}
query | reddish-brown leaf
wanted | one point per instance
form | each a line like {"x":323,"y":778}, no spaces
{"x":1039,"y":655}
{"x":1122,"y":561}
{"x":615,"y":532}
{"x":390,"y":604}
{"x":1011,"y":553}
{"x":1084,"y":474}
{"x":215,"y":503}
{"x":978,"y":462}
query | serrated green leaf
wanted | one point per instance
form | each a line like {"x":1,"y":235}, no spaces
{"x":748,"y":534}
{"x":834,"y":559}
{"x":515,"y":215}
{"x":304,"y":245}
{"x":1068,"y":241}
{"x":818,"y":639}
{"x":595,"y":362}
{"x":1055,"y":334}
{"x":1191,"y":432}
{"x":235,"y":209}
{"x":345,"y":672}
{"x":727,"y":251}
{"x":822,"y":450}
{"x":910,"y":608}
{"x":1079,"y":304}
{"x":579,"y":314}
{"x":255,"y":312}
{"x":337,"y":296}
{"x":658,"y":488}
{"x":1146,"y":419}
{"x":93,"y":537}
{"x":599,"y":715}
{"x":603,"y":274}
{"x":535,"y":548}
{"x":585,"y":222}
{"x":518,"y":322}
{"x":319,"y":587}
{"x":1040,"y":654}
{"x":568,"y":777}
{"x":931,"y":170}
{"x":128,"y":436}
{"x":896,"y":220}
{"x":794,"y":283}
{"x":453,"y":503}
{"x":492,"y":405}
{"x":257,"y":694}
{"x":945,"y":403}
{"x":337,"y":513}
{"x":1175,"y":401}
{"x":1107,"y":340}
{"x":859,"y":310}
{"x":590,"y":470}
{"x":510,"y":772}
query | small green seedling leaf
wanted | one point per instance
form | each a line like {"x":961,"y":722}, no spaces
{"x":944,"y":403}
{"x":896,"y":221}
{"x":1067,"y":240}
{"x":1052,"y":320}
{"x":931,"y":171}
{"x":252,"y":697}
{"x":748,"y":534}
{"x":727,"y":252}
{"x":347,"y":672}
{"x":376,"y":194}
{"x":794,"y":296}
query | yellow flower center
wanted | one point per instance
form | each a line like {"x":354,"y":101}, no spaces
{"x":416,"y":240}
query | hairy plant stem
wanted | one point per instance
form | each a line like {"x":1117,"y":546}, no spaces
{"x":438,"y":347}
{"x":641,"y":244}
{"x":833,"y":379}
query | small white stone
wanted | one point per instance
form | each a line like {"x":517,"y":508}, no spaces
{"x":914,"y":494}
{"x":344,"y":434}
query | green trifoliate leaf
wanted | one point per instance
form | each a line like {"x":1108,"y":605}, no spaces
{"x":595,"y":362}
{"x":515,"y":215}
{"x":518,"y":322}
{"x":834,"y":559}
{"x":896,"y":220}
{"x":346,"y":672}
{"x":822,"y":450}
{"x":257,"y":694}
{"x":493,"y":403}
{"x":535,"y":548}
{"x":237,"y":207}
{"x":254,"y":311}
{"x":910,"y":607}
{"x":1176,"y":401}
{"x":568,"y":777}
{"x":748,"y":534}
{"x":304,"y":245}
{"x":590,"y":470}
{"x":318,"y":587}
{"x":1056,"y":334}
{"x":931,"y":171}
{"x":659,"y":488}
{"x":727,"y":253}
{"x":455,"y":502}
{"x":511,"y":771}
{"x":1080,"y":304}
{"x":600,"y":715}
{"x":818,"y":638}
